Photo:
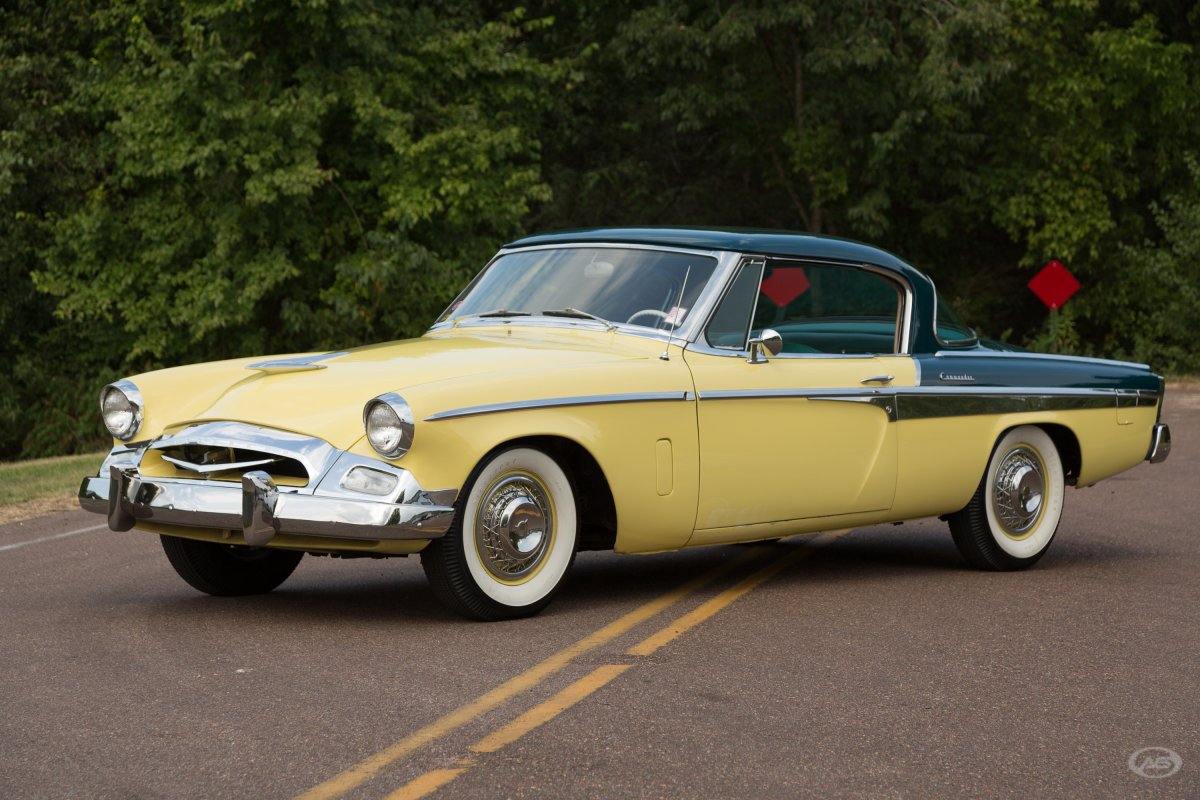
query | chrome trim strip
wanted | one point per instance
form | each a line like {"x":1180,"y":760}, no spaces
{"x":763,"y":394}
{"x":922,"y":402}
{"x":559,"y":402}
{"x":1041,"y":356}
{"x":1006,"y":391}
{"x":296,"y":364}
{"x":917,"y":366}
{"x":886,"y":403}
{"x":1160,"y":444}
{"x":915,"y":391}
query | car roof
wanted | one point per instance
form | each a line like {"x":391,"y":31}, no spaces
{"x":787,"y":244}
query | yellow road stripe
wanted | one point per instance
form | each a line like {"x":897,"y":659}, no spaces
{"x":363,"y":771}
{"x":715,"y":604}
{"x":425,"y":784}
{"x":550,"y":709}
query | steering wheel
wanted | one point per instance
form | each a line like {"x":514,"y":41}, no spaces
{"x":662,"y":315}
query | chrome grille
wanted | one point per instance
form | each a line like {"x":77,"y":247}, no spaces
{"x":224,"y":451}
{"x":212,"y":461}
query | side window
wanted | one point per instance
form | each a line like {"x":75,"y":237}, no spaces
{"x":730,"y":323}
{"x":820,"y":308}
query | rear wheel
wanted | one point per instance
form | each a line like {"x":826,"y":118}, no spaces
{"x":229,"y":569}
{"x":512,"y":541}
{"x":1014,"y":514}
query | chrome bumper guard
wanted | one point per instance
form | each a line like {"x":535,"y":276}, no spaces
{"x":1160,"y":444}
{"x":257,"y":508}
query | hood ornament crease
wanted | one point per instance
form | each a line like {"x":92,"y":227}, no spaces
{"x":298,"y":364}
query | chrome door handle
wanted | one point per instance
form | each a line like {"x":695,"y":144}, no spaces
{"x":878,"y":379}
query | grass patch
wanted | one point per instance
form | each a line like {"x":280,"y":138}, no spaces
{"x":45,"y":477}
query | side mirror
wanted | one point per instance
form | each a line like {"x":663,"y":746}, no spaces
{"x":770,"y":341}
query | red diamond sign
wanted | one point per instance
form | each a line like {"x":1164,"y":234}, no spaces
{"x":785,"y":285}
{"x":1054,"y":285}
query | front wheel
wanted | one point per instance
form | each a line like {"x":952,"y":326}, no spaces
{"x":512,"y":541}
{"x":228,"y":570}
{"x":1014,"y":513}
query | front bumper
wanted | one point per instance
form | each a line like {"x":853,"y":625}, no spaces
{"x":260,"y":509}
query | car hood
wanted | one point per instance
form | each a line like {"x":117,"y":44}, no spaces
{"x":327,"y":402}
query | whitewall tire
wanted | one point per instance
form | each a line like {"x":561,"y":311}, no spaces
{"x":513,"y":540}
{"x":1014,"y":514}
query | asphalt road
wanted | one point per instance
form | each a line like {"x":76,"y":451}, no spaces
{"x":870,"y":664}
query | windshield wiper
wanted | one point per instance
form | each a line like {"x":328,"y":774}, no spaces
{"x":575,"y":313}
{"x":503,"y":312}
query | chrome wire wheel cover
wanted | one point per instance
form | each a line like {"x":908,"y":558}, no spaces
{"x":1018,"y":491}
{"x":514,"y":527}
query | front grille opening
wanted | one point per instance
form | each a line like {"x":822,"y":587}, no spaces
{"x":228,"y":463}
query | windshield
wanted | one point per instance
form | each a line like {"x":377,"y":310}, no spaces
{"x":624,"y":286}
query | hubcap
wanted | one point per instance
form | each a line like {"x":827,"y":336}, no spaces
{"x":513,"y":527}
{"x":1018,"y":491}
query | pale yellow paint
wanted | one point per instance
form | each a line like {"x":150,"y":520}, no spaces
{"x":771,"y":459}
{"x":544,"y":712}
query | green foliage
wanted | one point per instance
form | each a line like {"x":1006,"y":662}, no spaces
{"x":1153,"y":306}
{"x":282,"y":174}
{"x":188,"y":181}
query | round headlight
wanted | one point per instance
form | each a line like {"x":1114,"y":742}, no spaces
{"x":121,"y":407}
{"x":389,"y":424}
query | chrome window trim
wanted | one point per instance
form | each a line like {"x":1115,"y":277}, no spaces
{"x":697,"y":316}
{"x":561,"y":402}
{"x":743,"y":262}
{"x":708,"y":350}
{"x":972,"y":342}
{"x":1040,"y":356}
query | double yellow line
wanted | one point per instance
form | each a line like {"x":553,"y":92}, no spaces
{"x":430,"y":781}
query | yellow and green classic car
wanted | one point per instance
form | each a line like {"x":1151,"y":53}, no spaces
{"x":629,"y":389}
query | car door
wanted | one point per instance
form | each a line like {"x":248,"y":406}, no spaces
{"x":810,"y":432}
